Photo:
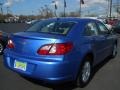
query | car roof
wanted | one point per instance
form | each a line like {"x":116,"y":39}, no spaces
{"x":74,"y":19}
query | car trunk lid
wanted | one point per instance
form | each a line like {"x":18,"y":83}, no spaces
{"x":28,"y":43}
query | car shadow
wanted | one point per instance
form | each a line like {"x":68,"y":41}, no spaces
{"x":67,"y":85}
{"x":100,"y":65}
{"x":63,"y":86}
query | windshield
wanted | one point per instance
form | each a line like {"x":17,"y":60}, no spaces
{"x":52,"y":27}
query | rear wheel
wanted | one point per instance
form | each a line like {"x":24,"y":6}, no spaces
{"x":85,"y":73}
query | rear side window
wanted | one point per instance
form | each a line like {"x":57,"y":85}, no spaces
{"x":102,"y":28}
{"x":52,"y":27}
{"x":91,"y":29}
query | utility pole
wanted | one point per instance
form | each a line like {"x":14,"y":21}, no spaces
{"x":110,"y":15}
{"x":108,"y":8}
{"x":65,"y":5}
{"x":81,"y":2}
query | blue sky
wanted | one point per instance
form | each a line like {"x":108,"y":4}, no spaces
{"x":31,"y":6}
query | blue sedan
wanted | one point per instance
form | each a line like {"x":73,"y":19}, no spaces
{"x":60,"y":49}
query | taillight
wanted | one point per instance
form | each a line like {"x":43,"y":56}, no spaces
{"x":55,"y":49}
{"x":10,"y":44}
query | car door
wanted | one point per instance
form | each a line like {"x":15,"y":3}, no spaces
{"x":97,"y":41}
{"x":107,"y":39}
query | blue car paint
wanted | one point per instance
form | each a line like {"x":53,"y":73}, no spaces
{"x":56,"y":68}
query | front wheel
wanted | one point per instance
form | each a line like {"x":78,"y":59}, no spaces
{"x":114,"y":51}
{"x":1,"y":48}
{"x":85,"y":73}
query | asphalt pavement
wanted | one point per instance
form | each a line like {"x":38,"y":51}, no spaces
{"x":106,"y":77}
{"x":13,"y":28}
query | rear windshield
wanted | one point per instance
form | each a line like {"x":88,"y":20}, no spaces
{"x":52,"y":27}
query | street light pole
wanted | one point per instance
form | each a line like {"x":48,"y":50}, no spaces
{"x":55,"y":6}
{"x":81,"y":2}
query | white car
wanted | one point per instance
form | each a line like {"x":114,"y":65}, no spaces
{"x":107,"y":25}
{"x":31,"y":22}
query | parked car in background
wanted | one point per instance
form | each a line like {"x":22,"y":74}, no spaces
{"x":3,"y":41}
{"x":116,"y":27}
{"x":111,"y":21}
{"x":60,"y":49}
{"x":109,"y":26}
{"x":32,"y":22}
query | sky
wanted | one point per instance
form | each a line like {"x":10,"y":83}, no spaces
{"x":28,"y":7}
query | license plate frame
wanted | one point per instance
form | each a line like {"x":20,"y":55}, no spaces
{"x":20,"y":65}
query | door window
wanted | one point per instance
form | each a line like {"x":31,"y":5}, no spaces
{"x":102,"y":28}
{"x":91,"y":29}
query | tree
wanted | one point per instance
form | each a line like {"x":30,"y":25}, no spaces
{"x":2,"y":17}
{"x":73,"y":14}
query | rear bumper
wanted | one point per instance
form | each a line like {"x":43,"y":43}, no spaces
{"x":52,"y":72}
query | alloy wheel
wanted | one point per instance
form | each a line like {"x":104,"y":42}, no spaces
{"x":86,"y":71}
{"x":1,"y":48}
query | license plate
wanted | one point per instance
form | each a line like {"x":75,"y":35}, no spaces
{"x":20,"y":65}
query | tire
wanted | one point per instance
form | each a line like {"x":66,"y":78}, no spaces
{"x":114,"y":51}
{"x":85,"y":73}
{"x":1,"y":48}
